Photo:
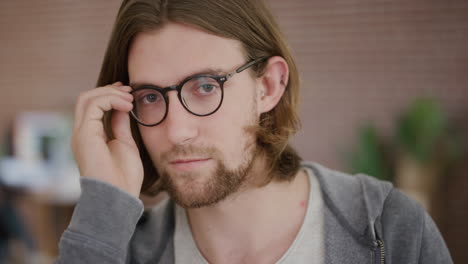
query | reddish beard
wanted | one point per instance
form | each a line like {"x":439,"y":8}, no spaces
{"x":189,"y":192}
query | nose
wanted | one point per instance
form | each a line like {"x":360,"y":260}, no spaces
{"x":180,"y":125}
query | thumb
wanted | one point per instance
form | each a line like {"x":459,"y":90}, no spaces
{"x":121,"y":126}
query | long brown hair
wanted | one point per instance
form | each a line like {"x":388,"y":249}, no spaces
{"x":248,"y":21}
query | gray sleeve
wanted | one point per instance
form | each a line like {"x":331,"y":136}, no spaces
{"x":410,"y":234}
{"x":433,"y":247}
{"x":102,"y":225}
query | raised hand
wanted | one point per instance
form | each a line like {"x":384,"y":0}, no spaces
{"x":115,"y":161}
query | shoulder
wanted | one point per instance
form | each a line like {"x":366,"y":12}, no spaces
{"x":373,"y":209}
{"x":408,"y":227}
{"x":356,"y":199}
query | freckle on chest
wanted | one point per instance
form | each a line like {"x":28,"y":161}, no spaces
{"x":303,"y":204}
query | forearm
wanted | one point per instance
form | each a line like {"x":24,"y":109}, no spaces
{"x":102,"y":225}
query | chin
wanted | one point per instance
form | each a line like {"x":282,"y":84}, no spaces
{"x":204,"y":186}
{"x":189,"y":189}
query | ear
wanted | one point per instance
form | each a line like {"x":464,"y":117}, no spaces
{"x":272,"y":84}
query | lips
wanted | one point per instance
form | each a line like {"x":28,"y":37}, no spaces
{"x":188,"y":164}
{"x":185,"y":161}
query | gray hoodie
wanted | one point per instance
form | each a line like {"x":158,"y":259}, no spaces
{"x":365,"y":221}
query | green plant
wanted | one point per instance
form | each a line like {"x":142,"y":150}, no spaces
{"x":420,"y":129}
{"x":371,"y":155}
{"x":423,"y":132}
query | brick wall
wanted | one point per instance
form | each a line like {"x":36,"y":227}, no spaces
{"x":360,"y":60}
{"x":365,"y":60}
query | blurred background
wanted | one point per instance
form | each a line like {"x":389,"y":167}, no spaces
{"x":384,"y":92}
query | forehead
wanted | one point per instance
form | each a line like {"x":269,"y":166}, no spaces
{"x":175,"y":51}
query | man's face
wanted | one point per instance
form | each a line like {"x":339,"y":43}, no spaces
{"x":201,"y":160}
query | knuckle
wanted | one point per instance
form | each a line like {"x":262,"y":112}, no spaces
{"x":82,"y":95}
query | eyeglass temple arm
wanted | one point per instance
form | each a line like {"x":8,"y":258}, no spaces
{"x":240,"y":69}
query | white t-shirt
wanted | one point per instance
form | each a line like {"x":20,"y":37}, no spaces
{"x":308,"y":246}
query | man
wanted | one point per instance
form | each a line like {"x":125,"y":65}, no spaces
{"x":203,"y":100}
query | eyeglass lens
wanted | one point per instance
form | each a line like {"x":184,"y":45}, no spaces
{"x":199,"y":95}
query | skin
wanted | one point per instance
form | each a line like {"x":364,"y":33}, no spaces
{"x":250,"y":224}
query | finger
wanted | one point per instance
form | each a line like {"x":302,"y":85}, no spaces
{"x":98,"y":106}
{"x":81,"y":110}
{"x":121,"y":127}
{"x":123,"y":90}
{"x":84,"y":98}
{"x":105,"y":89}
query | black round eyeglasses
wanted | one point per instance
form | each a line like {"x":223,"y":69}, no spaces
{"x":201,"y":95}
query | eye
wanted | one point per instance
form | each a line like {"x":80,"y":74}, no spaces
{"x":150,"y":98}
{"x":201,"y":88}
{"x":206,"y":88}
{"x":147,"y":96}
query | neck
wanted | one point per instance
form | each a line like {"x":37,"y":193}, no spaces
{"x":256,"y":223}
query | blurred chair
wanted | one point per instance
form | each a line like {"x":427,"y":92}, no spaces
{"x":12,"y":226}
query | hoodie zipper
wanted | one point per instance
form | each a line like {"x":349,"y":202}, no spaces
{"x":380,"y":256}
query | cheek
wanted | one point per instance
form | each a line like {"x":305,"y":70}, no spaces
{"x":228,"y":138}
{"x":226,"y":128}
{"x":239,"y":104}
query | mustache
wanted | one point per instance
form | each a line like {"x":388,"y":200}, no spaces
{"x":189,"y":151}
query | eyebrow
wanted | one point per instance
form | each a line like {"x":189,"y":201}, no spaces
{"x":200,"y":72}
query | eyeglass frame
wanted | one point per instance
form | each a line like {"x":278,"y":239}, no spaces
{"x":221,"y":79}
